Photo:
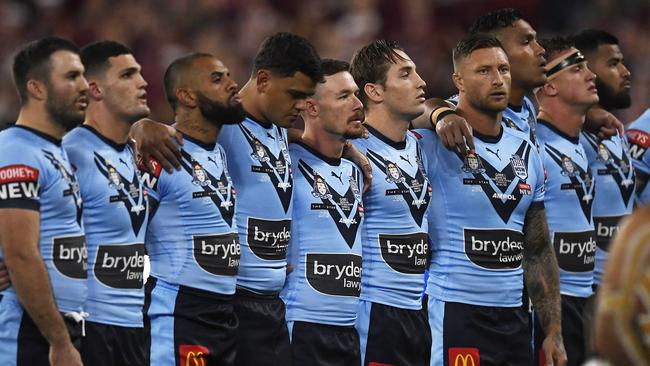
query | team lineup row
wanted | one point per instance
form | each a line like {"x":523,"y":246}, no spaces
{"x":277,"y":244}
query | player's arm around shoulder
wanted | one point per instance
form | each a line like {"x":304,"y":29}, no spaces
{"x":20,"y":180}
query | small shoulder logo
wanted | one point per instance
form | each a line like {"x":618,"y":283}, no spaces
{"x":394,"y":174}
{"x":320,"y":188}
{"x":568,"y":167}
{"x":510,"y":123}
{"x":199,"y":177}
{"x":519,"y":167}
{"x":473,"y":164}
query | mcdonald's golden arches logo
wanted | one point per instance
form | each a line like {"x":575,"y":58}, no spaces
{"x":193,"y":355}
{"x":464,"y":357}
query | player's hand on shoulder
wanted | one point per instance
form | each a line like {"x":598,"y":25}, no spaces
{"x":157,"y":140}
{"x":455,"y":133}
{"x":603,"y":123}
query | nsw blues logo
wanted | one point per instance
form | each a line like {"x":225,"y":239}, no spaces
{"x":70,"y":179}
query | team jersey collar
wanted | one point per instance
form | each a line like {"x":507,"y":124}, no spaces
{"x":574,"y":140}
{"x":489,"y":139}
{"x":516,"y":108}
{"x":399,"y":145}
{"x":40,"y":134}
{"x":266,"y":125}
{"x":328,"y":160}
{"x":207,"y":146}
{"x":113,"y":144}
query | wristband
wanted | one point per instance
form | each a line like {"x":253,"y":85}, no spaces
{"x":439,"y":113}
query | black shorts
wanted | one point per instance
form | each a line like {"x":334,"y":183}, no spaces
{"x":393,"y":336}
{"x":188,"y":326}
{"x":573,"y":331}
{"x":465,"y":334}
{"x":112,"y":345}
{"x":262,"y":337}
{"x":21,"y":343}
{"x":323,"y":344}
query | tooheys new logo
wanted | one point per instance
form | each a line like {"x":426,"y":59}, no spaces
{"x":217,"y":254}
{"x":575,"y":251}
{"x":70,"y":256}
{"x":278,"y":169}
{"x":268,"y":239}
{"x":345,"y":210}
{"x":620,"y":169}
{"x":130,"y":193}
{"x":494,"y":248}
{"x":334,"y":274}
{"x":18,"y":182}
{"x":408,"y":254}
{"x":606,"y":227}
{"x":220,"y":190}
{"x":639,"y":142}
{"x":581,"y":180}
{"x":416,"y":190}
{"x":120,"y":266}
{"x":506,"y":193}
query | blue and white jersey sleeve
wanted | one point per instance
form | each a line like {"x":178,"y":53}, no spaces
{"x":191,"y":238}
{"x":568,"y":201}
{"x":325,"y":247}
{"x":477,"y":215}
{"x":395,"y":236}
{"x":613,"y":174}
{"x":115,"y":221}
{"x":638,"y":137}
{"x":261,"y":171}
{"x":35,"y":174}
{"x":522,"y":118}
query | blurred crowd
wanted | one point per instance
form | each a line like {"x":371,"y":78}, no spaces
{"x":159,"y":31}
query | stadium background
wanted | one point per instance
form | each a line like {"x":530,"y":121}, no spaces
{"x":159,"y":31}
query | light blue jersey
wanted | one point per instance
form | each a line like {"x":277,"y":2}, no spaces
{"x":325,"y":248}
{"x":477,"y":214}
{"x":614,"y":176}
{"x":261,"y":171}
{"x":192,"y":239}
{"x":638,"y":137}
{"x":35,"y":174}
{"x":522,"y":118}
{"x":395,"y":238}
{"x":115,"y":222}
{"x":568,"y":200}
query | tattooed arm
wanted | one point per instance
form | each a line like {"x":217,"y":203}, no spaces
{"x":543,"y":283}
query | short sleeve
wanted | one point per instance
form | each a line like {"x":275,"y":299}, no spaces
{"x":21,"y":178}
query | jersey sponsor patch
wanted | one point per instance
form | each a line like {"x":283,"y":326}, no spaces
{"x":70,"y":256}
{"x":464,"y":356}
{"x":334,"y":274}
{"x":193,"y":355}
{"x":494,"y":249}
{"x":120,"y":266}
{"x":575,"y":251}
{"x":150,"y":178}
{"x":639,"y":142}
{"x":408,"y":254}
{"x":605,"y":228}
{"x":217,"y":254}
{"x":18,"y":182}
{"x":269,"y":239}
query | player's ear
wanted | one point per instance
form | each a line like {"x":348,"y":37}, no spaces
{"x":94,"y":91}
{"x":549,"y":89}
{"x":186,"y":97}
{"x":374,"y":92}
{"x":312,"y":109}
{"x":458,"y":81}
{"x":262,"y":80}
{"x":36,"y":89}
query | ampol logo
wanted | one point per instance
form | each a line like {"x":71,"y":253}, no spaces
{"x":464,"y":357}
{"x":193,"y":355}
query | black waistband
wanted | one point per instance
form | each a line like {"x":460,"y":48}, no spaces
{"x":255,"y":295}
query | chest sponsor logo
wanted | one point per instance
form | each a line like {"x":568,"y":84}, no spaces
{"x":334,"y":274}
{"x":70,"y":181}
{"x":217,"y":254}
{"x":639,"y":142}
{"x":408,"y":254}
{"x":70,"y":256}
{"x":580,"y":180}
{"x":18,"y":182}
{"x":345,"y":210}
{"x":120,"y":266}
{"x":464,"y":356}
{"x":268,"y":239}
{"x":503,"y":188}
{"x":575,"y":251}
{"x":193,"y":355}
{"x":416,"y":190}
{"x":619,"y":169}
{"x":217,"y":186}
{"x":278,"y":169}
{"x":494,"y":249}
{"x":130,"y":193}
{"x":606,"y":227}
